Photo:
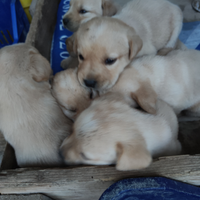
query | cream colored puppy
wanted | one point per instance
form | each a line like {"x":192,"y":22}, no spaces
{"x":71,"y":96}
{"x":106,"y":45}
{"x":110,"y":132}
{"x":173,"y":78}
{"x":30,"y":119}
{"x":83,"y":10}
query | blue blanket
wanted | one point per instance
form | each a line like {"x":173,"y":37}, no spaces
{"x":190,"y":36}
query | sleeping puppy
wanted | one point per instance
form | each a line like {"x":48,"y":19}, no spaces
{"x":71,"y":96}
{"x":110,"y":132}
{"x":82,"y":11}
{"x":30,"y":119}
{"x":105,"y":45}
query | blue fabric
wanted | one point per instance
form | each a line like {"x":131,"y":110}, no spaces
{"x":7,"y":27}
{"x":151,"y":189}
{"x":58,"y":49}
{"x":190,"y":34}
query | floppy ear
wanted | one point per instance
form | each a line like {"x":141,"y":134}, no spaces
{"x":109,"y":8}
{"x":132,"y":156}
{"x":71,"y":43}
{"x":39,"y":67}
{"x":146,"y":98}
{"x":135,"y":43}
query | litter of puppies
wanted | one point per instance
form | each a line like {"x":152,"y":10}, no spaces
{"x":123,"y":99}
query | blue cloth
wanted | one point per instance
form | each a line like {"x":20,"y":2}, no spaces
{"x":190,"y":36}
{"x":151,"y":189}
{"x":58,"y":48}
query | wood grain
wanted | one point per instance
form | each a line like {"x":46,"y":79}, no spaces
{"x":89,"y":182}
{"x":24,"y":197}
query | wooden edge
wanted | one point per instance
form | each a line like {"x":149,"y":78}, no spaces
{"x":30,"y":39}
{"x":9,"y":160}
{"x":42,"y":26}
{"x":73,"y":183}
{"x":24,"y":197}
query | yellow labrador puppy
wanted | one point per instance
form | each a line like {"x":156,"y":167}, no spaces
{"x":30,"y":119}
{"x":110,"y":132}
{"x":173,"y":78}
{"x":71,"y":96}
{"x":83,"y":10}
{"x":105,"y":45}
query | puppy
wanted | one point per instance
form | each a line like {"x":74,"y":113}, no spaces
{"x":173,"y":78}
{"x":71,"y":96}
{"x":82,"y":11}
{"x":70,"y":62}
{"x":110,"y":132}
{"x":105,"y":45}
{"x":30,"y":119}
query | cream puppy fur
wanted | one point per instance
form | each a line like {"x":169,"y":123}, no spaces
{"x":106,"y":45}
{"x":30,"y":119}
{"x":173,"y":78}
{"x":110,"y":132}
{"x":81,"y":11}
{"x":71,"y":96}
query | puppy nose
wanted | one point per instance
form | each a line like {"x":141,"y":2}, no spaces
{"x":90,"y":83}
{"x":65,"y":21}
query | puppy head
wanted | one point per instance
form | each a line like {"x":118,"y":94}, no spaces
{"x":23,"y":59}
{"x":82,"y":11}
{"x":105,"y":46}
{"x":104,"y":134}
{"x":71,"y":96}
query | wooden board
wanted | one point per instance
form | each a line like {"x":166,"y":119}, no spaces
{"x":24,"y":197}
{"x":89,"y":182}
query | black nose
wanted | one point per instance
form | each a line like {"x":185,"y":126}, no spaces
{"x":90,"y":83}
{"x":65,"y":21}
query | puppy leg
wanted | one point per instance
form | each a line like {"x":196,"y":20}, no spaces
{"x":176,"y":26}
{"x":71,"y":62}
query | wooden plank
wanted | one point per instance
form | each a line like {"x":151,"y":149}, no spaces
{"x":2,"y":147}
{"x":89,"y":182}
{"x":24,"y":197}
{"x":42,"y":26}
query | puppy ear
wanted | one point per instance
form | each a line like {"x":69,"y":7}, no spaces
{"x":39,"y":67}
{"x":109,"y":8}
{"x":132,"y":156}
{"x":135,"y":43}
{"x":71,"y":43}
{"x":146,"y":98}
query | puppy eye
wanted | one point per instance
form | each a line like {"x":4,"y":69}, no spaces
{"x":82,"y":11}
{"x":83,"y":156}
{"x":81,"y":57}
{"x":110,"y":61}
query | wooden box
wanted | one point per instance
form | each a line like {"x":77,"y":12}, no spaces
{"x":87,"y":182}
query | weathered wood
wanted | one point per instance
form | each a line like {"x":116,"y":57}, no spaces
{"x":89,"y":182}
{"x":24,"y":197}
{"x":2,"y":147}
{"x":42,"y":26}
